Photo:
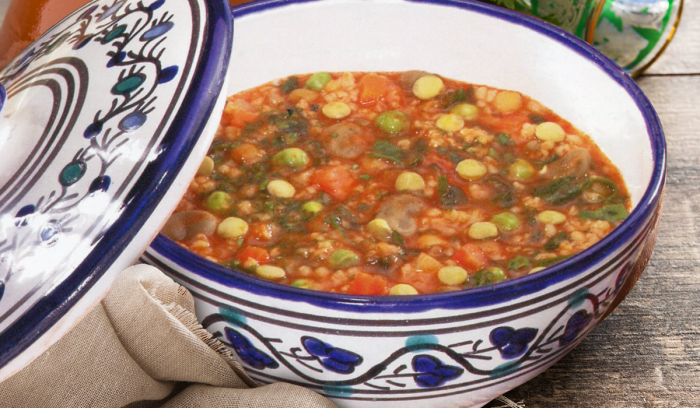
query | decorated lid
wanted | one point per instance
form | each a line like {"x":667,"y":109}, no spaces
{"x":634,"y":33}
{"x":103,"y":123}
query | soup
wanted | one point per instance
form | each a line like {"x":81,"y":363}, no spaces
{"x":395,"y":183}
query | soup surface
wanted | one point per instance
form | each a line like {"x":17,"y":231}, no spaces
{"x":395,"y":183}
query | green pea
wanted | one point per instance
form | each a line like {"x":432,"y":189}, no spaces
{"x":343,"y":258}
{"x":409,"y":181}
{"x":488,"y":276}
{"x":232,"y":227}
{"x":318,"y":81}
{"x":483,"y":230}
{"x":466,"y":110}
{"x":471,"y":169}
{"x":270,"y":272}
{"x":392,"y":122}
{"x":521,"y":170}
{"x":312,"y":208}
{"x":207,"y":167}
{"x":452,"y":275}
{"x":303,"y":283}
{"x":403,"y":289}
{"x":280,"y":188}
{"x":219,"y":202}
{"x":291,"y":157}
{"x":506,"y":221}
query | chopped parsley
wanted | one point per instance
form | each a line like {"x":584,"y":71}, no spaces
{"x":519,"y":262}
{"x":612,"y":213}
{"x":450,"y":195}
{"x":458,"y":96}
{"x":504,"y":139}
{"x":383,"y":149}
{"x":536,"y":119}
{"x":289,"y":85}
{"x":560,"y":191}
{"x":555,"y":241}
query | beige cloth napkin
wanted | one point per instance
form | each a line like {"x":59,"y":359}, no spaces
{"x":143,"y":347}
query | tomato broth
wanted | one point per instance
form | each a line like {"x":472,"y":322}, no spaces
{"x":395,"y":183}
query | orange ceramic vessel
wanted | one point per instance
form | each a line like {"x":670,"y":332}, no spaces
{"x":28,"y":19}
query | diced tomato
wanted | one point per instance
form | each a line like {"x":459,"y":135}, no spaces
{"x":470,"y":257}
{"x":445,"y":165}
{"x":424,"y":282}
{"x":366,"y":284}
{"x":510,"y":123}
{"x":238,"y":112}
{"x":247,"y":154}
{"x":336,"y":181}
{"x":258,"y":254}
{"x":442,"y":162}
{"x":374,"y":88}
{"x":262,"y":233}
{"x":492,"y":250}
{"x":241,"y":117}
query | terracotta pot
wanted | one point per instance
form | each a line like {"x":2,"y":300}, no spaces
{"x":26,"y":20}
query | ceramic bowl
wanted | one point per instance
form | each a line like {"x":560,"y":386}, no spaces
{"x":450,"y":349}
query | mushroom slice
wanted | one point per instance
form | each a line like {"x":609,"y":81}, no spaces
{"x":575,"y":164}
{"x":346,"y":140}
{"x":399,"y":212}
{"x":185,"y":225}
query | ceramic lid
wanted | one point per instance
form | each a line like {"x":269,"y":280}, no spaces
{"x":103,"y":123}
{"x":634,"y":33}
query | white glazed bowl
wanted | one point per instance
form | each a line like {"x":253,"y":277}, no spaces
{"x":451,"y":349}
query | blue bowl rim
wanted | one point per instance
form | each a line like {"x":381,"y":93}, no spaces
{"x":473,"y":297}
{"x":178,"y":142}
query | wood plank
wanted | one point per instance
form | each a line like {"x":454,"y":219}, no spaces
{"x":647,"y":353}
{"x":683,"y":54}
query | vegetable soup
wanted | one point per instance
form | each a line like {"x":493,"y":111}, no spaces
{"x":395,"y":183}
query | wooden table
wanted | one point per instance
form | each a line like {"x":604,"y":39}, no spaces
{"x":647,"y":353}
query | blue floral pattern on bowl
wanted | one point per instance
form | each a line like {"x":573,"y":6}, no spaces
{"x":249,"y":354}
{"x":512,"y":343}
{"x":508,"y":350}
{"x":432,"y":372}
{"x":332,"y":358}
{"x":425,"y":358}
